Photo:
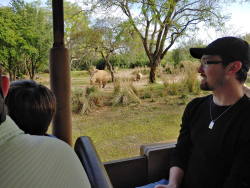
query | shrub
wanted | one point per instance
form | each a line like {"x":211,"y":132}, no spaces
{"x":144,"y":70}
{"x":173,"y":88}
{"x":77,"y":100}
{"x":165,"y":81}
{"x":117,"y":86}
{"x":84,"y":102}
{"x":124,"y":94}
{"x":191,"y":73}
{"x":148,"y":91}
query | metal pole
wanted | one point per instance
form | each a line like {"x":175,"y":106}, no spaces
{"x":60,"y":83}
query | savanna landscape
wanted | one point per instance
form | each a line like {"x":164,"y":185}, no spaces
{"x":128,"y":113}
{"x":153,"y":41}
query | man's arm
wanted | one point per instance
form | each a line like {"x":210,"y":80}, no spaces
{"x":239,"y":173}
{"x":175,"y":178}
{"x":180,"y":154}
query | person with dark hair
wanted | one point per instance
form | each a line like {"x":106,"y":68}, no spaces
{"x":213,"y":148}
{"x":35,"y":161}
{"x":31,"y":106}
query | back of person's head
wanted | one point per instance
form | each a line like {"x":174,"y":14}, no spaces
{"x":31,"y":106}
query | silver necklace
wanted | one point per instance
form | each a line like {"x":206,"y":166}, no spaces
{"x":212,"y":121}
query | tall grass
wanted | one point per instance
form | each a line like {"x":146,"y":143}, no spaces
{"x":125,"y":93}
{"x":192,"y":82}
{"x":84,"y":102}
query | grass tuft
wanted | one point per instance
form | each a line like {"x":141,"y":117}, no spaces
{"x":125,"y":94}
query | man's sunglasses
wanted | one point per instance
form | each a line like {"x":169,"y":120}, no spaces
{"x":204,"y":62}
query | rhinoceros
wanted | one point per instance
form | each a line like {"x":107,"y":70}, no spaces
{"x":138,"y":76}
{"x":99,"y":76}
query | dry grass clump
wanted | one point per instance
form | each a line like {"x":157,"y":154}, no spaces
{"x":144,"y":70}
{"x":170,"y":69}
{"x":83,"y":102}
{"x":125,"y":93}
{"x":174,"y":84}
{"x":192,"y":82}
{"x":159,"y":71}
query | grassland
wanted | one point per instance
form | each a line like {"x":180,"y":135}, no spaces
{"x":119,"y":131}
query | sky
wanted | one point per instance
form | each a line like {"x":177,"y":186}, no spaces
{"x":239,"y":20}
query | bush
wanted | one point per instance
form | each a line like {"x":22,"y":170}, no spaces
{"x":84,"y":102}
{"x":20,"y":75}
{"x":173,"y":88}
{"x":191,"y":72}
{"x":124,"y":94}
{"x":99,"y":64}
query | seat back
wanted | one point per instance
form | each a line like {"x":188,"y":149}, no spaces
{"x":91,"y":162}
{"x":159,"y":155}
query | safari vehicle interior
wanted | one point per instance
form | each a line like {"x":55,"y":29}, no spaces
{"x":154,"y":160}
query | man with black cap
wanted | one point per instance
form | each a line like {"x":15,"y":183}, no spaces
{"x":213,"y":148}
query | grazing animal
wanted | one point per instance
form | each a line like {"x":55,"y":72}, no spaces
{"x":138,"y":76}
{"x":99,"y":76}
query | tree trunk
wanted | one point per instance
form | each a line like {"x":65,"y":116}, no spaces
{"x":111,"y":69}
{"x":10,"y":75}
{"x":153,"y":72}
{"x":108,"y":63}
{"x":14,"y":75}
{"x":32,"y":76}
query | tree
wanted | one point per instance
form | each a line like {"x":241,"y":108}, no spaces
{"x":76,"y":27}
{"x":28,"y":36}
{"x":107,"y":36}
{"x":164,"y":21}
{"x":10,"y":39}
{"x":37,"y":33}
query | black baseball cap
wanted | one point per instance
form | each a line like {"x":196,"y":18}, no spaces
{"x":232,"y":47}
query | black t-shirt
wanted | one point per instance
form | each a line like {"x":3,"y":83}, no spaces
{"x":217,"y":157}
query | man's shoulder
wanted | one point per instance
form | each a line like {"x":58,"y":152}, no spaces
{"x":52,"y":161}
{"x":199,"y":101}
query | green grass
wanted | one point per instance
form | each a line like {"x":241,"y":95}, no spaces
{"x":46,"y":75}
{"x":83,"y":81}
{"x":118,"y":132}
{"x":79,"y":74}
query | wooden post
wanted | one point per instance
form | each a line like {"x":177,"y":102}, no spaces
{"x":60,"y":83}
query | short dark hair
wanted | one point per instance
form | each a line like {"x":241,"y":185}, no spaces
{"x":31,"y":106}
{"x":241,"y":75}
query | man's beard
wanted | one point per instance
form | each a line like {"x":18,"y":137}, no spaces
{"x":206,"y":87}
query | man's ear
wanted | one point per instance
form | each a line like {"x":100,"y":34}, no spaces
{"x":234,"y":67}
{"x":5,"y":85}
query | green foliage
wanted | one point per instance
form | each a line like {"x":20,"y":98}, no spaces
{"x":177,"y":56}
{"x":26,"y":35}
{"x":158,"y":29}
